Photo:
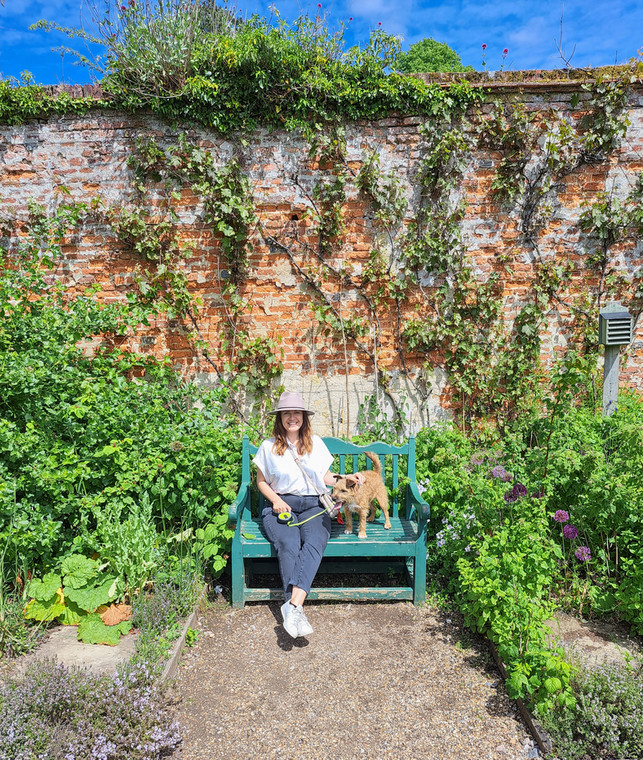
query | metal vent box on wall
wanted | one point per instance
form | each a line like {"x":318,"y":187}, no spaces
{"x":615,"y":328}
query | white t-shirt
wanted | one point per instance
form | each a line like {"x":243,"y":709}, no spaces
{"x":283,"y":474}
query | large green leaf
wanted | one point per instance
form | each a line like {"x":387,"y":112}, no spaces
{"x":77,"y":570}
{"x":91,"y":597}
{"x":72,"y":614}
{"x":44,"y":610}
{"x":44,"y":589}
{"x":92,"y":630}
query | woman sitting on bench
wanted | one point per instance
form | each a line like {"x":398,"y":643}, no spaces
{"x":293,"y":467}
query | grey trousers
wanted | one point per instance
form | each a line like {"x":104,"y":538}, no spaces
{"x":299,"y":547}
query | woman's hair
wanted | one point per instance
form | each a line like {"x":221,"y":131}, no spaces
{"x":305,"y":443}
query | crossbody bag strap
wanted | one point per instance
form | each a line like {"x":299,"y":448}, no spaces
{"x":305,"y":474}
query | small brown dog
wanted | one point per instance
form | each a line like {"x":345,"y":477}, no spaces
{"x":361,"y":497}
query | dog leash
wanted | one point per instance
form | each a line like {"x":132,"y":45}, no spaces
{"x":286,"y":518}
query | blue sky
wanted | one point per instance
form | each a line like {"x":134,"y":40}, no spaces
{"x":598,"y":32}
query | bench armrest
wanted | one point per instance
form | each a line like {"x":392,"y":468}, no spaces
{"x":235,"y":510}
{"x":421,"y":507}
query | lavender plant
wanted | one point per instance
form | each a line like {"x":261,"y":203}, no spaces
{"x":607,"y":720}
{"x":59,"y":713}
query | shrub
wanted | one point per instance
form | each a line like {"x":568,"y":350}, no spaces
{"x":101,"y":452}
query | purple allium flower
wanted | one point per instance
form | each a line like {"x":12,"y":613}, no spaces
{"x":561,"y":516}
{"x":477,"y":460}
{"x":583,"y":554}
{"x":500,"y":472}
{"x":569,"y":531}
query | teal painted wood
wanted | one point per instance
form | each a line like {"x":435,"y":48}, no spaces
{"x":405,"y":541}
{"x":339,"y":593}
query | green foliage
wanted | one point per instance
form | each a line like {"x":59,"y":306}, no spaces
{"x":234,"y":75}
{"x":590,"y":468}
{"x":23,"y":101}
{"x":92,"y":630}
{"x":429,"y":55}
{"x":497,"y":514}
{"x":494,"y":552}
{"x":17,"y":636}
{"x":606,"y":719}
{"x":213,"y":540}
{"x":102,"y":450}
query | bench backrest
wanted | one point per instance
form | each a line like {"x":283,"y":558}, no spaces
{"x":398,"y":465}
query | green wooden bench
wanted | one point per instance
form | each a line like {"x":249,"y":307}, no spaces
{"x":403,"y":547}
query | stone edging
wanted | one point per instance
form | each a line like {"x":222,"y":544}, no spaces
{"x":173,"y":663}
{"x":543,"y":740}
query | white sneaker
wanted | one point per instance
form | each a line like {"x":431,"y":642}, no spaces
{"x":285,"y":610}
{"x":303,"y":626}
{"x":295,"y":621}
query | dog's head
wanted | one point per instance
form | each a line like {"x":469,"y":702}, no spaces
{"x":344,"y":490}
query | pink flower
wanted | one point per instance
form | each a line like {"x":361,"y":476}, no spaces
{"x":484,"y":45}
{"x":319,"y":5}
{"x":351,"y":18}
{"x":123,"y":8}
{"x":561,"y":516}
{"x":379,"y":23}
{"x":504,"y":52}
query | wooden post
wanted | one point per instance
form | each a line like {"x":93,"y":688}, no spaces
{"x":610,"y":380}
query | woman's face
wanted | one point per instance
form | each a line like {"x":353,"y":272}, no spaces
{"x":292,"y":420}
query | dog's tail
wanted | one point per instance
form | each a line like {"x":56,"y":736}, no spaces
{"x":377,"y":465}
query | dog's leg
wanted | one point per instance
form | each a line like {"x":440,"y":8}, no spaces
{"x":384,"y":507}
{"x":348,"y":519}
{"x":372,"y":511}
{"x":362,"y":523}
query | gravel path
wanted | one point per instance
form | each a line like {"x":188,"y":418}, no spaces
{"x":374,"y":682}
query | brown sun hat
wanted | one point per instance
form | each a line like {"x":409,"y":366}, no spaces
{"x":290,"y":401}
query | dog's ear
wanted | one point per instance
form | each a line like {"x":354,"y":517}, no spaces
{"x":337,"y":477}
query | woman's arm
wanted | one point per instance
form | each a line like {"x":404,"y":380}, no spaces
{"x":329,"y":478}
{"x":278,"y":504}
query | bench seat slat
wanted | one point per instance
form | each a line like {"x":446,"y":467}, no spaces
{"x":343,"y":593}
{"x":399,"y":541}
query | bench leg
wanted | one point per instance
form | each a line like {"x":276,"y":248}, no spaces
{"x":419,"y":581}
{"x":238,"y":578}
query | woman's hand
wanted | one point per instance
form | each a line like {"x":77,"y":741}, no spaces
{"x":358,"y":477}
{"x":278,"y":504}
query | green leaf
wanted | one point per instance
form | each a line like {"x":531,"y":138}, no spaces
{"x":92,"y":597}
{"x":44,"y":589}
{"x":248,"y":536}
{"x":71,"y":615}
{"x":46,"y":611}
{"x":77,"y":570}
{"x":553,"y":684}
{"x":92,"y":630}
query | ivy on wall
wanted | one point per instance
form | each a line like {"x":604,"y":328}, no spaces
{"x":444,"y":312}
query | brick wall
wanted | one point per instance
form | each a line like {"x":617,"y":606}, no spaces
{"x":88,"y":156}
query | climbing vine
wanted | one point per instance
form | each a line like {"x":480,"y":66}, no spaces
{"x":417,"y":297}
{"x":223,"y":196}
